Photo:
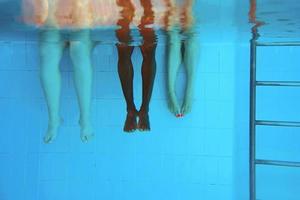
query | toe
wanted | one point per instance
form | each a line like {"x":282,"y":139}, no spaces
{"x":83,"y":139}
{"x":47,"y":139}
{"x":186,"y":109}
{"x":144,"y":128}
{"x":86,"y":137}
{"x":90,"y":137}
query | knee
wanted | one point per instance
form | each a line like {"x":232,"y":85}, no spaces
{"x":148,"y":48}
{"x":124,"y":52}
{"x":80,"y":47}
{"x":50,"y":53}
{"x":81,"y":59}
{"x":80,"y":51}
{"x":45,"y":49}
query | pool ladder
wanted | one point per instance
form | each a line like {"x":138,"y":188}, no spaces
{"x":254,"y":122}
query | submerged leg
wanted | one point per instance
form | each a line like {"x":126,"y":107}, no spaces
{"x":148,"y":49}
{"x":126,"y":73}
{"x":80,"y":52}
{"x":125,"y":68}
{"x":173,"y":64}
{"x":190,"y":62}
{"x":51,"y":50}
{"x":148,"y":76}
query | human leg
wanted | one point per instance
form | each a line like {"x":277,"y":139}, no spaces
{"x":126,"y":73}
{"x":191,"y":55}
{"x":148,"y":77}
{"x":51,"y":49}
{"x":148,"y":49}
{"x":125,"y":67}
{"x":173,"y":64}
{"x":80,"y":52}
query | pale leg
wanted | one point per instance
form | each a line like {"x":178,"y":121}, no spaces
{"x":190,"y":62}
{"x":174,"y":61}
{"x":50,"y":54}
{"x":80,"y":52}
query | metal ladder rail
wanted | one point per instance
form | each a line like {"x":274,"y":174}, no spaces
{"x":253,"y":122}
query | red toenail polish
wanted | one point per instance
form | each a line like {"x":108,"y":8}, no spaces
{"x":178,"y":115}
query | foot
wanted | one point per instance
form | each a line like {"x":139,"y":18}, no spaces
{"x":174,"y":106}
{"x":130,"y":122}
{"x":187,"y":106}
{"x":86,"y":131}
{"x":144,"y":123}
{"x":52,"y":131}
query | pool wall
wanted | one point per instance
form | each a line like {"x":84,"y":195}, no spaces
{"x":202,"y":156}
{"x":274,"y":104}
{"x":189,"y":158}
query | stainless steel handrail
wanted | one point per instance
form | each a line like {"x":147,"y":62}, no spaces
{"x":277,"y":123}
{"x":253,"y":122}
{"x":270,"y":44}
{"x":279,"y":83}
{"x":277,"y":163}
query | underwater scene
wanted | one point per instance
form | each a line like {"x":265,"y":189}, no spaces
{"x":149,"y":99}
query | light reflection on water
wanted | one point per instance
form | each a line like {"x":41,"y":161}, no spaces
{"x":275,"y":20}
{"x":160,"y":16}
{"x":281,"y":19}
{"x":106,"y":20}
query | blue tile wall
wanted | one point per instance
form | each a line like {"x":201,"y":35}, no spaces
{"x":273,"y":103}
{"x":189,"y":158}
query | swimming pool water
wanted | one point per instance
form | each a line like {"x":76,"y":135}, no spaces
{"x":204,"y":155}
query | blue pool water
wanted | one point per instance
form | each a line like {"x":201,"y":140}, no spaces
{"x":202,"y":156}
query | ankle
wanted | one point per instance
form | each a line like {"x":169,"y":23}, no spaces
{"x":132,"y":113}
{"x":132,"y":110}
{"x":84,"y":122}
{"x":54,"y":122}
{"x":143,"y":111}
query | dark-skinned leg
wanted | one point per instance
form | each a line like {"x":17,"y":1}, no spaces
{"x":125,"y":67}
{"x":148,"y":76}
{"x":149,"y":64}
{"x":126,"y":73}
